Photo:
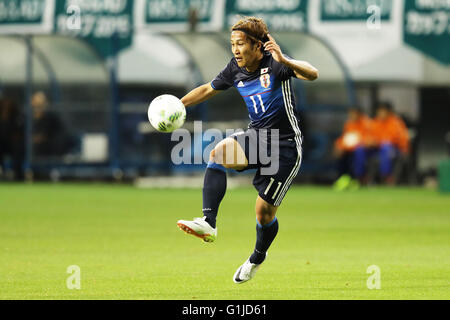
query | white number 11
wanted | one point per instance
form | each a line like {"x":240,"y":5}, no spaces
{"x":260,"y":101}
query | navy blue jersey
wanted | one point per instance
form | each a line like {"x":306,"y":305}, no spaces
{"x":267,"y":92}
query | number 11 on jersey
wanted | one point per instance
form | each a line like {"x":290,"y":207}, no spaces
{"x":260,"y":101}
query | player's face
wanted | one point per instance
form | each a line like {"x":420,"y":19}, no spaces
{"x":244,"y":51}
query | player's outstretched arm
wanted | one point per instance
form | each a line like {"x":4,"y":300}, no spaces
{"x":302,"y":69}
{"x":198,"y":95}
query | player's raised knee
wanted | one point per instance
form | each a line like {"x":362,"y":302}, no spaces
{"x":228,"y":154}
{"x":216,"y":157}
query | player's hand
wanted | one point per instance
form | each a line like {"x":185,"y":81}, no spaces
{"x":274,"y":49}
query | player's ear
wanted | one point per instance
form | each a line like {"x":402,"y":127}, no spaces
{"x":258,"y":46}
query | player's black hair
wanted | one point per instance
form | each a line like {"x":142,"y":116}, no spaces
{"x":264,"y":38}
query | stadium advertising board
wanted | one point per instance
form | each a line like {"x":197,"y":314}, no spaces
{"x":354,"y":10}
{"x":26,"y":16}
{"x":345,"y":24}
{"x":174,"y":15}
{"x":97,"y":22}
{"x":427,"y":28}
{"x":356,"y":33}
{"x":281,"y":15}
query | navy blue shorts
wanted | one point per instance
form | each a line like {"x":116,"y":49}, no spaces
{"x":272,"y":181}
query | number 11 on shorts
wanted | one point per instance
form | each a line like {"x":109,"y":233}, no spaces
{"x":272,"y":180}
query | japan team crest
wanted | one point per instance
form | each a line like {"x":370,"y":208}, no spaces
{"x":265,"y":80}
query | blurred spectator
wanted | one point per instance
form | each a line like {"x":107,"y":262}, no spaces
{"x":352,"y":149}
{"x":11,"y":137}
{"x":50,"y":137}
{"x":193,"y":19}
{"x":392,"y":139}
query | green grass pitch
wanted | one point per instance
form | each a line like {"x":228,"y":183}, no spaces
{"x":127,"y":244}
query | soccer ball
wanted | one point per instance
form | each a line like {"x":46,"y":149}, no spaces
{"x":166,"y":113}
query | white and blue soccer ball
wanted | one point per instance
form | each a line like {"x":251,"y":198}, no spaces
{"x":166,"y":113}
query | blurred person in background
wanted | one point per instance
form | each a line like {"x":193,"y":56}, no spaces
{"x":193,"y":19}
{"x":50,"y":137}
{"x":11,"y":137}
{"x":353,"y":148}
{"x":392,"y":139}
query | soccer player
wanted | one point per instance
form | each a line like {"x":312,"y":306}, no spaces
{"x":261,"y":73}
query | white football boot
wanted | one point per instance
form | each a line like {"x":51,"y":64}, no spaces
{"x":199,"y":228}
{"x":245,"y":272}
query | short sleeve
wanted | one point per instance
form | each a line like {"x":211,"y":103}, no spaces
{"x":281,"y":71}
{"x":224,"y":79}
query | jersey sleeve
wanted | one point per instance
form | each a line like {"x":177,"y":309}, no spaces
{"x":282,"y":72}
{"x":224,"y":79}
